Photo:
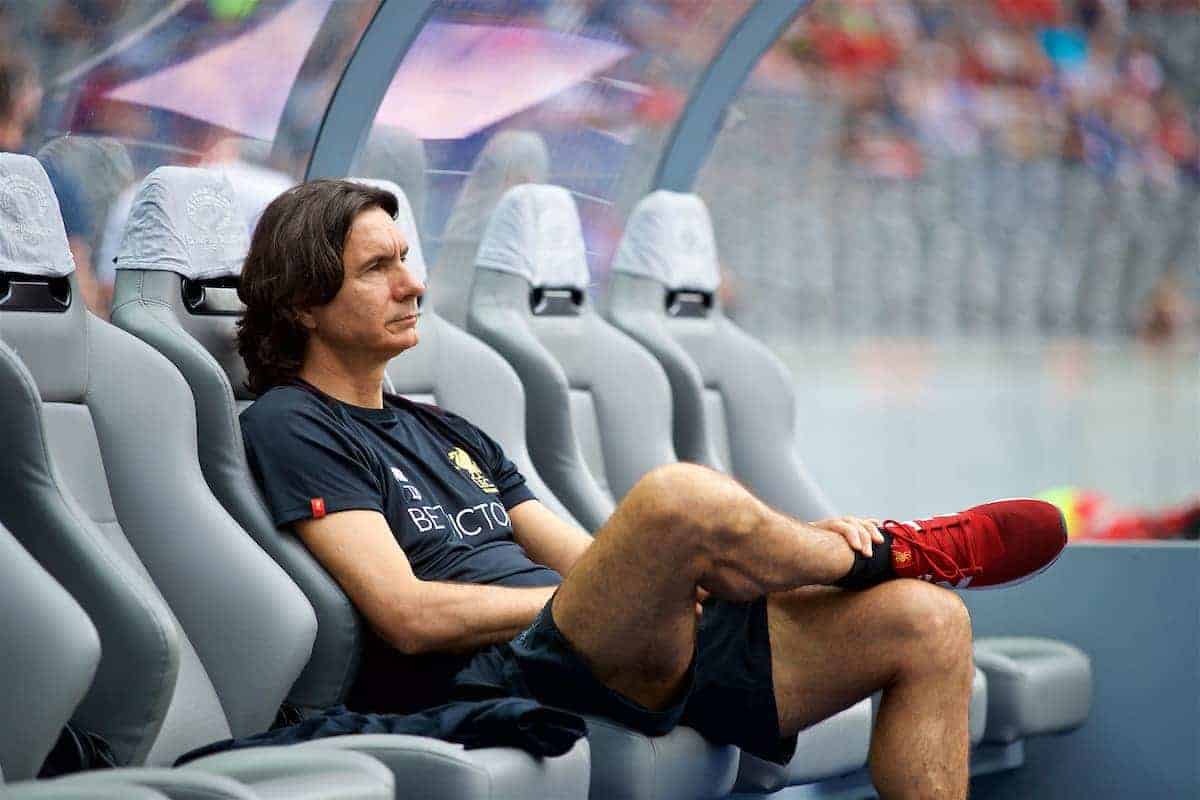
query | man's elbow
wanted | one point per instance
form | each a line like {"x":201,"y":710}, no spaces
{"x":414,"y":634}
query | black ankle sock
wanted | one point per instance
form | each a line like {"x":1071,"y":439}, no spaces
{"x":867,"y":572}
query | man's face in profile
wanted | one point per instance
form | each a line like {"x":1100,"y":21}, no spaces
{"x":375,"y":310}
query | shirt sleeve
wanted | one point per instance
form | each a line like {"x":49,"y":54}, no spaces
{"x":309,"y":465}
{"x":510,"y":483}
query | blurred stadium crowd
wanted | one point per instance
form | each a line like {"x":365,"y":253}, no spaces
{"x":1010,"y":166}
{"x":935,"y":166}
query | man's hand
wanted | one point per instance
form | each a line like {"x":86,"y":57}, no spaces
{"x":859,"y":533}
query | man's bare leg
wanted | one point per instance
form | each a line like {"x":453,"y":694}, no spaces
{"x":628,"y":605}
{"x":832,"y":648}
{"x":628,"y":608}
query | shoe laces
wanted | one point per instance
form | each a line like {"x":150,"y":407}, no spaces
{"x":936,"y":542}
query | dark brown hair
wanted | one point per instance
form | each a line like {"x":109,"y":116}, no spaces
{"x":295,"y":263}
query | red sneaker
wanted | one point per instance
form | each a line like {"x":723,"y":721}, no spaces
{"x":985,"y":547}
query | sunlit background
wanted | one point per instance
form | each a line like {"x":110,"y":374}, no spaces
{"x":970,"y":228}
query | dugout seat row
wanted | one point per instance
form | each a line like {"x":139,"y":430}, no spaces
{"x":601,"y":406}
{"x":175,"y":301}
{"x":201,"y":633}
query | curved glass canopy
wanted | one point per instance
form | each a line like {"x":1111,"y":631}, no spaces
{"x":582,"y":95}
{"x":894,"y":181}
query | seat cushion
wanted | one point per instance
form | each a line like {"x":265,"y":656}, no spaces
{"x":1035,"y":686}
{"x":286,"y":772}
{"x":432,"y":768}
{"x":833,"y":747}
{"x":978,"y":711}
{"x":627,"y":765}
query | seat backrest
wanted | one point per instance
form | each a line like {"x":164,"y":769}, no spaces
{"x":393,"y":154}
{"x":599,"y":407}
{"x":99,"y":169}
{"x":735,"y":407}
{"x":51,"y":653}
{"x":509,"y":159}
{"x":182,"y":301}
{"x":100,"y":434}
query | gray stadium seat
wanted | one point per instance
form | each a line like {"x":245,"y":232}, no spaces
{"x":508,"y":159}
{"x":732,"y":396}
{"x":104,"y":490}
{"x":394,"y":154}
{"x":599,"y":404}
{"x":653,"y":268}
{"x":52,"y":651}
{"x":180,"y":300}
{"x":1035,"y":686}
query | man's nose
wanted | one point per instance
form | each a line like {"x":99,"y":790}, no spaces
{"x":407,"y":284}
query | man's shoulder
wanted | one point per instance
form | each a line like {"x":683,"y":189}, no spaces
{"x":281,"y":404}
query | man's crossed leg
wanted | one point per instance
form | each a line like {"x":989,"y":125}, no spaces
{"x":628,"y":610}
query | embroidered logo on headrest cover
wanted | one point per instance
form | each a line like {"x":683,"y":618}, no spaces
{"x":24,"y":205}
{"x":212,"y":218}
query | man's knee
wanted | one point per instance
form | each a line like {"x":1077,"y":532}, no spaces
{"x":696,"y":502}
{"x":934,"y":620}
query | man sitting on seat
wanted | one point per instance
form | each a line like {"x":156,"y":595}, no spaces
{"x":695,"y":603}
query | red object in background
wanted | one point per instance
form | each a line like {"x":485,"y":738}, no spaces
{"x":661,"y":106}
{"x":1029,"y":12}
{"x":1101,"y":521}
{"x":853,"y":53}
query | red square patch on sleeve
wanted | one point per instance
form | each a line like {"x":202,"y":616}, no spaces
{"x":318,"y":507}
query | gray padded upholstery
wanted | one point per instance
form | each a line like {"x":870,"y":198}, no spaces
{"x":88,"y":556}
{"x":1035,"y":686}
{"x":629,"y":766}
{"x":133,"y":502}
{"x":75,"y":790}
{"x":128,"y":433}
{"x":149,"y":304}
{"x":509,"y":159}
{"x":428,"y":768}
{"x":558,"y":357}
{"x":394,"y":154}
{"x":977,"y":712}
{"x":834,"y":746}
{"x":51,"y":653}
{"x":709,"y":355}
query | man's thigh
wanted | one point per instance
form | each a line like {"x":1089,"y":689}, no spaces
{"x":832,"y":648}
{"x":627,"y":608}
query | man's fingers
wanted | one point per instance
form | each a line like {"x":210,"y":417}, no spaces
{"x":852,"y":534}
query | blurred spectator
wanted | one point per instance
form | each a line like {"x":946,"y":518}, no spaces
{"x":20,"y":97}
{"x":88,"y":173}
{"x":1168,"y":312}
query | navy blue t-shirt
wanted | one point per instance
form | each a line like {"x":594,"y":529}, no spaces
{"x":443,"y":485}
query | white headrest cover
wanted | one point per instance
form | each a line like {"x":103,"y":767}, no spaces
{"x":33,"y":240}
{"x":534,"y":232}
{"x":669,"y":238}
{"x":188,"y":221}
{"x":407,"y":223}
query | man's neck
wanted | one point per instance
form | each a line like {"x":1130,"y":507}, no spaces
{"x":357,"y":387}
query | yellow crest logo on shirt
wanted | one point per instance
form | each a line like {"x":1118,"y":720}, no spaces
{"x":463,"y":462}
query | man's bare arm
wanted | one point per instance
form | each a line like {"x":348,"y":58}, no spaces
{"x":546,"y":538}
{"x":414,"y":616}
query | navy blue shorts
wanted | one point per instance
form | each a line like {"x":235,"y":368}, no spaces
{"x":728,"y":695}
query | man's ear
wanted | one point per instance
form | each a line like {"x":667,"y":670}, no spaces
{"x":305,"y":318}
